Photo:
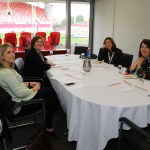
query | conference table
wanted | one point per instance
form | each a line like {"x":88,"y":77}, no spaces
{"x":94,"y":101}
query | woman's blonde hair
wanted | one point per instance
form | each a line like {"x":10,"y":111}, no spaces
{"x":3,"y":48}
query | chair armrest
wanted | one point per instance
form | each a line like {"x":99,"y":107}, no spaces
{"x":135,"y":127}
{"x":14,"y":118}
{"x":29,"y":102}
{"x":34,"y":79}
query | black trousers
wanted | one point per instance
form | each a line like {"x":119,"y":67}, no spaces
{"x":51,"y":104}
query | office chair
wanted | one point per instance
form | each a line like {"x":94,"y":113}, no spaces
{"x":138,"y":138}
{"x":80,"y":49}
{"x":127,"y":60}
{"x":83,"y":49}
{"x":19,"y":64}
{"x":6,"y":108}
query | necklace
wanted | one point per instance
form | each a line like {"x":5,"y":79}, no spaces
{"x":110,"y":57}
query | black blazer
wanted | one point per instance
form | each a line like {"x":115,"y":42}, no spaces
{"x":34,"y":66}
{"x":117,"y":57}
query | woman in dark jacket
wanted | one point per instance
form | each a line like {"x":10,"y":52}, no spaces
{"x":35,"y":63}
{"x":141,"y":66}
{"x":110,"y":53}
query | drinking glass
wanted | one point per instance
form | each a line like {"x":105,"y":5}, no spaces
{"x":67,"y":53}
{"x":51,"y":53}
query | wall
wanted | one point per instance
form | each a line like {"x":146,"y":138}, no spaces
{"x":126,"y":21}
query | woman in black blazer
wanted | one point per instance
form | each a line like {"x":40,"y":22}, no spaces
{"x":110,"y":53}
{"x":35,"y":63}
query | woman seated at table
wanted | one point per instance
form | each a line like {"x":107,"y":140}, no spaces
{"x":13,"y":83}
{"x":35,"y":63}
{"x":141,"y":66}
{"x":110,"y":53}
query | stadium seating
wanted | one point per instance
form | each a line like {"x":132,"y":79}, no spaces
{"x":24,"y":40}
{"x":21,"y":12}
{"x":11,"y":38}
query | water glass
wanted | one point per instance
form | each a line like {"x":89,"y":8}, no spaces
{"x":51,"y":52}
{"x":119,"y":67}
{"x":68,"y":52}
{"x":82,"y":55}
{"x":141,"y":81}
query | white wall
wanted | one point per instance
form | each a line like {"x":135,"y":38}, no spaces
{"x":126,"y":21}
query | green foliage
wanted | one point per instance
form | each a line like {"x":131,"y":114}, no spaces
{"x":79,"y":18}
{"x":63,"y":22}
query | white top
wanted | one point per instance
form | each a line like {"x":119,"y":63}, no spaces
{"x":97,"y":100}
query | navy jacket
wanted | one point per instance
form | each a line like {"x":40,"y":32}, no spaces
{"x":34,"y":66}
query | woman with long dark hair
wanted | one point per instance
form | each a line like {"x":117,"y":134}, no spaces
{"x":142,"y":64}
{"x":110,"y":53}
{"x":36,"y":64}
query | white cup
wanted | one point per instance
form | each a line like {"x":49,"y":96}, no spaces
{"x":119,"y":67}
{"x":82,"y":55}
{"x":123,"y":70}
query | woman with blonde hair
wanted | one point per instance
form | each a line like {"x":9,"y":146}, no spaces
{"x":13,"y":83}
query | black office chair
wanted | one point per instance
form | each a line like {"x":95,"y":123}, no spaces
{"x":19,"y":64}
{"x":138,"y":138}
{"x":83,"y":49}
{"x":80,"y":49}
{"x":127,"y":60}
{"x":6,"y":108}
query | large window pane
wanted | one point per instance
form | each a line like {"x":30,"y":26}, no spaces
{"x":80,"y":13}
{"x":32,"y":17}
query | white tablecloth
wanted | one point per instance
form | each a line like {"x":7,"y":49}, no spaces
{"x":97,"y":100}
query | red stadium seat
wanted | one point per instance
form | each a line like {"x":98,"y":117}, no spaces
{"x":55,"y":38}
{"x":42,"y":34}
{"x":10,"y":38}
{"x":24,"y":40}
{"x":0,"y":41}
{"x":47,"y":44}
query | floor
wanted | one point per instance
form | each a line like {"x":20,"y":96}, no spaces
{"x":56,"y":144}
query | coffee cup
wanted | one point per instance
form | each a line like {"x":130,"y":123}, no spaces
{"x":123,"y":70}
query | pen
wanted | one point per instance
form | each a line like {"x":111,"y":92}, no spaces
{"x":141,"y":88}
{"x":127,"y":82}
{"x":114,"y":84}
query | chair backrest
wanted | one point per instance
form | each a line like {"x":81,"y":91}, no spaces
{"x":80,"y":49}
{"x":19,"y":64}
{"x":0,"y":41}
{"x":127,"y":60}
{"x":42,"y":34}
{"x":11,"y":38}
{"x":25,"y":34}
{"x":55,"y":37}
{"x":6,"y":104}
{"x":25,"y":39}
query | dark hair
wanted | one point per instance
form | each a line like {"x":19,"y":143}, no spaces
{"x":147,"y":43}
{"x":112,"y":41}
{"x":36,"y":38}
